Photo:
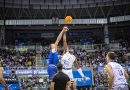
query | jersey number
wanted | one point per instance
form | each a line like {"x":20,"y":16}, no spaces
{"x":120,"y":72}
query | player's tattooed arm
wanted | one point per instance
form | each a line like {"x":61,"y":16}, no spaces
{"x":110,"y":75}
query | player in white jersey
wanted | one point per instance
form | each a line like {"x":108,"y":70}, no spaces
{"x":117,"y":76}
{"x":68,"y":60}
{"x":2,"y":80}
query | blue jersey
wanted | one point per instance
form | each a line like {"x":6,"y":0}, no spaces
{"x":53,"y":58}
{"x":52,"y":70}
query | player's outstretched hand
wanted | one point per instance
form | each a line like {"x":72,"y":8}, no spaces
{"x":65,"y":28}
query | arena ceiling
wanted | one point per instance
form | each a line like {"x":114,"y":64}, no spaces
{"x":46,"y":9}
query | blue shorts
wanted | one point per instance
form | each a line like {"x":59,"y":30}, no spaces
{"x":52,"y":70}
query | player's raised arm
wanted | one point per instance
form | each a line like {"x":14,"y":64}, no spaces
{"x":65,"y":46}
{"x":60,"y":35}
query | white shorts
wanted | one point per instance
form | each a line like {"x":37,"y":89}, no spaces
{"x":120,"y":87}
{"x":69,"y":73}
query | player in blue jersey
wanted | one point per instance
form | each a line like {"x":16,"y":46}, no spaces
{"x":54,"y":56}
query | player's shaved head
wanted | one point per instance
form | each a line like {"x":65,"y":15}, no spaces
{"x":53,"y":46}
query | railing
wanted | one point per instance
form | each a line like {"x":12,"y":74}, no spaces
{"x":111,"y":46}
{"x":61,"y":21}
{"x":20,"y":68}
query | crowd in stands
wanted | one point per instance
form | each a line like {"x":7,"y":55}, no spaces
{"x":27,"y":58}
{"x":34,"y":81}
{"x":15,"y":58}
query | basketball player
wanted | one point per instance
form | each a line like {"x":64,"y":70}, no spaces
{"x":54,"y":56}
{"x":2,"y":81}
{"x":117,"y":76}
{"x":68,"y":59}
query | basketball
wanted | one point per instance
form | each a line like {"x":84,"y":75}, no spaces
{"x":68,"y":20}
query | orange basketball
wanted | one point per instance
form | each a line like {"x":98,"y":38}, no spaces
{"x":68,"y":20}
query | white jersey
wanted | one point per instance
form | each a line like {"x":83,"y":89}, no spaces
{"x":119,"y":75}
{"x":67,"y":60}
